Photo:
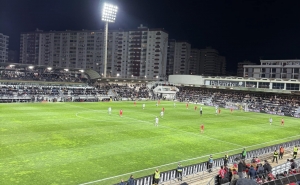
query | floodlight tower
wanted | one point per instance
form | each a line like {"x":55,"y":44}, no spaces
{"x":109,"y":13}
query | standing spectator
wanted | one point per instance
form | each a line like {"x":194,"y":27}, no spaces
{"x":210,"y":163}
{"x":281,"y":152}
{"x":156,"y":177}
{"x":225,"y":159}
{"x":234,"y":175}
{"x":252,"y":173}
{"x":275,"y":156}
{"x":130,"y":180}
{"x":293,"y":164}
{"x":260,"y":170}
{"x":295,"y":152}
{"x":179,"y":172}
{"x":221,"y":174}
{"x":267,"y":167}
{"x":244,"y":153}
{"x":122,"y":182}
{"x":241,"y":167}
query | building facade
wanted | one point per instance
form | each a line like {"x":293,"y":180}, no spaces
{"x":211,"y":63}
{"x":237,"y":83}
{"x":13,"y":56}
{"x":4,"y":41}
{"x":274,"y":69}
{"x":179,"y":57}
{"x":194,"y":62}
{"x":135,"y":53}
{"x":240,"y":67}
{"x":170,"y":56}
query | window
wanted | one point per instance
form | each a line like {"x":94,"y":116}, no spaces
{"x":273,"y":70}
{"x":251,"y":84}
{"x":277,"y":86}
{"x":292,"y":87}
{"x":265,"y":85}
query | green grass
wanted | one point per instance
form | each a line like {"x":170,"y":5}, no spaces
{"x":73,"y":143}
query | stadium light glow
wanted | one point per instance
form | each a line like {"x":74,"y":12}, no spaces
{"x":11,"y":65}
{"x":118,"y":74}
{"x":30,"y":67}
{"x":109,"y":13}
{"x":49,"y":68}
{"x":81,"y":70}
{"x":66,"y":69}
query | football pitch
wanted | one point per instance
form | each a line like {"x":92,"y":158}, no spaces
{"x":76,"y":143}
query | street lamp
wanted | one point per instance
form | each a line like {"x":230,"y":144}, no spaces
{"x":109,"y":13}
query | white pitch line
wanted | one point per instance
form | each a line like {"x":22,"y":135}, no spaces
{"x":100,"y":180}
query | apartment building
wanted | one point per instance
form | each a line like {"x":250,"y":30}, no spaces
{"x":274,"y":69}
{"x":4,"y":41}
{"x":179,"y":57}
{"x":194,"y":62}
{"x":211,"y":63}
{"x":135,"y":53}
{"x":240,"y":67}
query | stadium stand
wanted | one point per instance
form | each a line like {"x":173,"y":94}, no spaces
{"x":281,"y":104}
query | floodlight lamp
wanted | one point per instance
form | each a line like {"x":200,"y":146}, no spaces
{"x":109,"y":12}
{"x":66,"y":69}
{"x":49,"y":68}
{"x":11,"y":65}
{"x":30,"y":67}
{"x":81,"y":70}
{"x":118,"y":74}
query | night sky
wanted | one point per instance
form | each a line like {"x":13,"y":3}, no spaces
{"x":239,"y":29}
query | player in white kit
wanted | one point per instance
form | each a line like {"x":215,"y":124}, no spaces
{"x":162,"y":114}
{"x":109,"y":110}
{"x":156,"y":121}
{"x":144,"y":106}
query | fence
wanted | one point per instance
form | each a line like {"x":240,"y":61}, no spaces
{"x":196,"y":169}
